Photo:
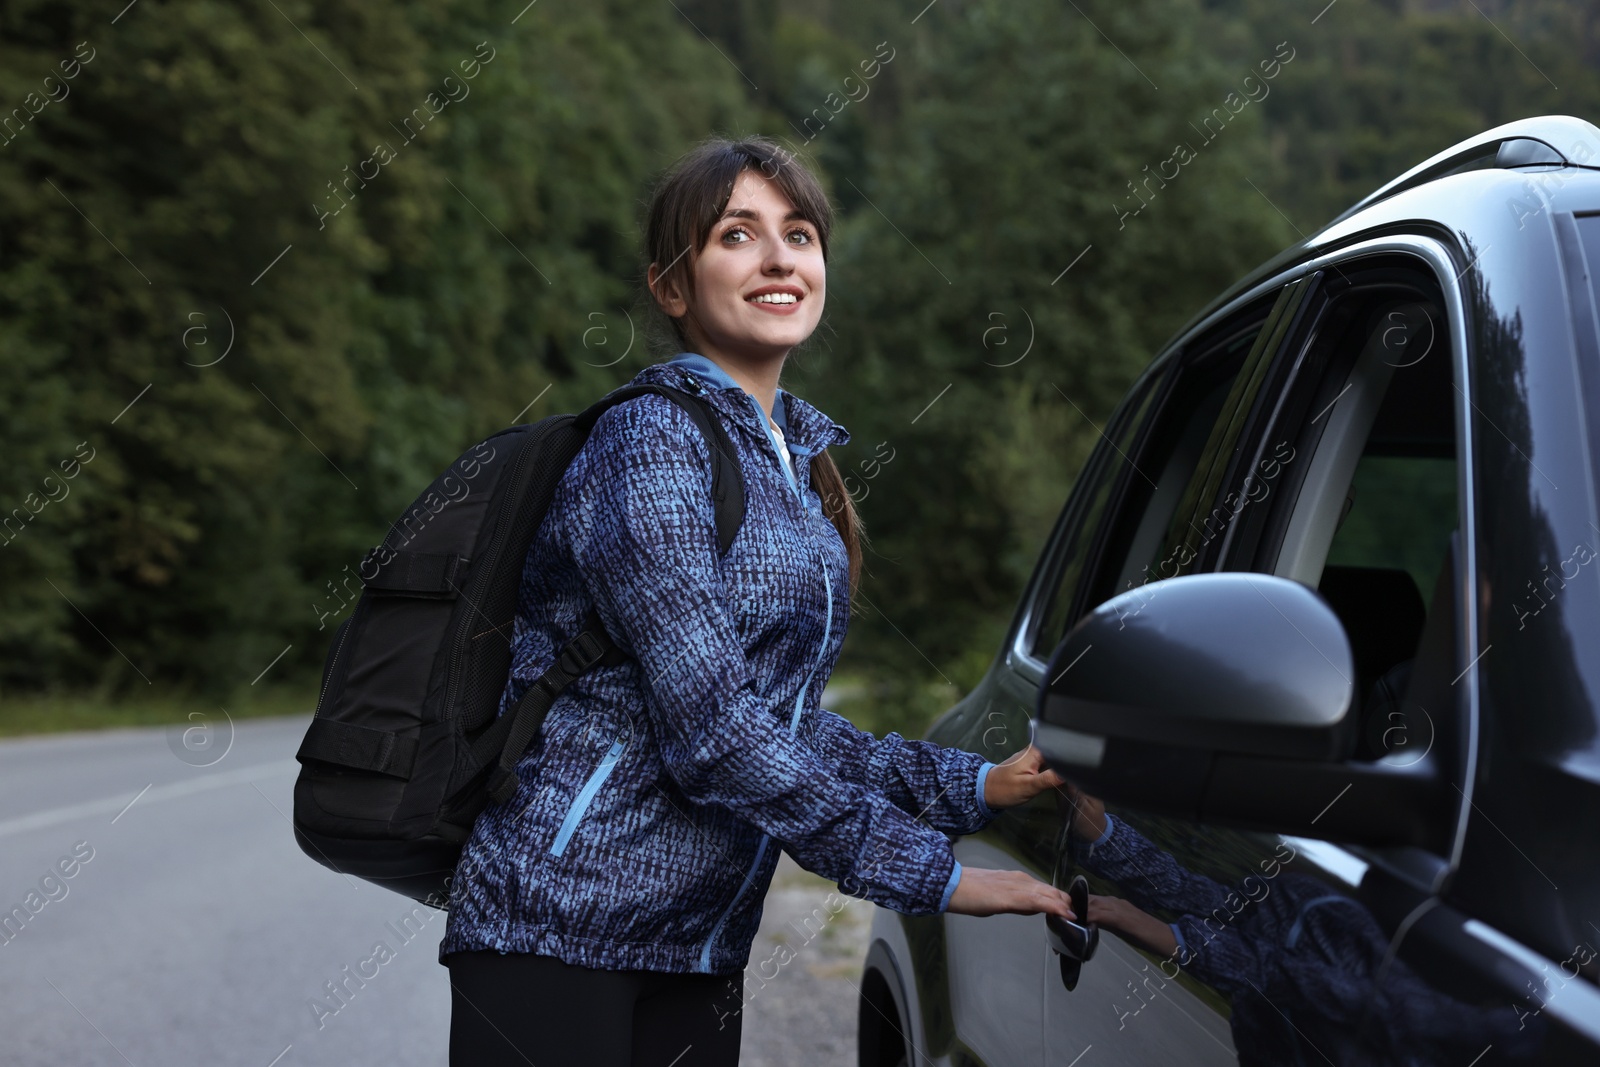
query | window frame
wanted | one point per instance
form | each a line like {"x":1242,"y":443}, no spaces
{"x":1436,"y":258}
{"x":1447,"y":265}
{"x":1159,"y":380}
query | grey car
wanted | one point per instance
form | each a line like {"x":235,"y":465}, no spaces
{"x":1319,"y":623}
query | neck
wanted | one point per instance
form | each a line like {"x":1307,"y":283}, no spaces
{"x":758,"y":377}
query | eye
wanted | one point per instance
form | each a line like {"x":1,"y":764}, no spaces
{"x":804,"y":234}
{"x":727,"y":236}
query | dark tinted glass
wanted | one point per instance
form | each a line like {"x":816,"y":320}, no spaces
{"x":1103,"y":470}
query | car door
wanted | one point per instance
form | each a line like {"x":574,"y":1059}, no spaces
{"x":995,"y":968}
{"x":1263,"y":488}
{"x":1125,"y":1005}
{"x":1457,"y":946}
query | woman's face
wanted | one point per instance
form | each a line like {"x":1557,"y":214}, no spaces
{"x":759,"y":281}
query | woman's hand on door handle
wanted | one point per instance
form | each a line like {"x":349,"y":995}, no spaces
{"x":982,"y":891}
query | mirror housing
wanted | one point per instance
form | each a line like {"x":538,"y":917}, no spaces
{"x":1228,"y":698}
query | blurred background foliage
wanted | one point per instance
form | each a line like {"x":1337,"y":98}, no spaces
{"x":196,"y":187}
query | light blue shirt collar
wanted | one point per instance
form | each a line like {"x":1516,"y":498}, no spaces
{"x":713,"y":373}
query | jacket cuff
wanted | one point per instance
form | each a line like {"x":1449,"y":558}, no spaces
{"x":984,"y":809}
{"x":950,"y":886}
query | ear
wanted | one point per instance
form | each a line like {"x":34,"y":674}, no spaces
{"x":666,"y":293}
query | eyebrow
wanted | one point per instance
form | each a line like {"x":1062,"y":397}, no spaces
{"x":755,"y":216}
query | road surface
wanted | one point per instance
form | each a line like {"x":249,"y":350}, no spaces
{"x":160,"y":913}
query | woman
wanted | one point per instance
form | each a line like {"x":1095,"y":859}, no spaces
{"x":604,"y":915}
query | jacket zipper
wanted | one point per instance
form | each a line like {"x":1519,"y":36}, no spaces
{"x":799,"y":701}
{"x":580,"y":804}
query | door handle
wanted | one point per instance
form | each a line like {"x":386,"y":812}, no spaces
{"x":1074,"y":942}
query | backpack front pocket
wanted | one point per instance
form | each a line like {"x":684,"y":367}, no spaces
{"x":596,"y":779}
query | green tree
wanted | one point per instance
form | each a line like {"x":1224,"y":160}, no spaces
{"x":212,"y":171}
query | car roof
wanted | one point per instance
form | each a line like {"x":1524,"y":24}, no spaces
{"x":1550,"y":162}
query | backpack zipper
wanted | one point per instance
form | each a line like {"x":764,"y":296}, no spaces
{"x":580,"y":804}
{"x":334,"y":665}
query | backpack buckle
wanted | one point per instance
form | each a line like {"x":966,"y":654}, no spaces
{"x":583,"y":652}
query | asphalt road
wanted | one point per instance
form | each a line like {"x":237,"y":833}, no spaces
{"x":167,"y":917}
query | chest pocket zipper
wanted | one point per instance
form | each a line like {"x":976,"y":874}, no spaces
{"x":596,"y":779}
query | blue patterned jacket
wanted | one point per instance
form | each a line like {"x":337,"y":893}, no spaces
{"x":651,"y":807}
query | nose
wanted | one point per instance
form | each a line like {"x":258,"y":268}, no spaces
{"x":780,"y":258}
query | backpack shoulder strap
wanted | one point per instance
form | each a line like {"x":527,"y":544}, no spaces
{"x":727,"y":478}
{"x":504,"y":743}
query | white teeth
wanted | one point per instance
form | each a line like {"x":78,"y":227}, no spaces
{"x":775,"y":298}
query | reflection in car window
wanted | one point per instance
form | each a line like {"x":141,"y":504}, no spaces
{"x":1150,"y":484}
{"x":1103,"y":469}
{"x":1305,"y":969}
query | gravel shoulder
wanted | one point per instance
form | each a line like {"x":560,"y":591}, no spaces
{"x":802,"y":981}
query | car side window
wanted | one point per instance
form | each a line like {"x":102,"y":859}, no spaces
{"x":1376,"y":496}
{"x":1086,"y":510}
{"x":1134,"y":552}
{"x":1398,"y":514}
{"x":1366,"y":500}
{"x":1142,"y":472}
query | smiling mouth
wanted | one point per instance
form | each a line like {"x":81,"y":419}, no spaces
{"x":775,"y":299}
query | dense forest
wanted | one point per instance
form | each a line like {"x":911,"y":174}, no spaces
{"x":265,"y":269}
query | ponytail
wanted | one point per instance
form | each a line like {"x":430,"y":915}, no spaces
{"x":840,"y":508}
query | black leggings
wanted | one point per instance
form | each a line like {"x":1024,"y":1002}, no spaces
{"x":519,"y":1009}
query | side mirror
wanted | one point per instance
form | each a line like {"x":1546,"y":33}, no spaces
{"x":1228,"y":698}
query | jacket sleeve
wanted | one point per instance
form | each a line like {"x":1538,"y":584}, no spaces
{"x":643,"y":534}
{"x":1146,"y":874}
{"x":1211,"y":946}
{"x":933,"y":782}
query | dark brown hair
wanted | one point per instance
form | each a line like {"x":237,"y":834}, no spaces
{"x":684,"y":207}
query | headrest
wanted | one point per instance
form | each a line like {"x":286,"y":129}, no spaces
{"x":1382,"y":612}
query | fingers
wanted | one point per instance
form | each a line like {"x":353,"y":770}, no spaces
{"x":1049,"y":900}
{"x":1102,"y":910}
{"x":991,"y":892}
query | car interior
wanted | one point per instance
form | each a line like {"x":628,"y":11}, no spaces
{"x":1377,"y":499}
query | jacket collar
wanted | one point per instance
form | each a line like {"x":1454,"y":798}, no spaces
{"x":806,"y":430}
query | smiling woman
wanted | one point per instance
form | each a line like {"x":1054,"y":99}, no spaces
{"x":605,"y":912}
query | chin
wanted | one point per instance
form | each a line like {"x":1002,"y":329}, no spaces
{"x":766,"y":341}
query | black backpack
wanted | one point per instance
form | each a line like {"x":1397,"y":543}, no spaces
{"x":405,"y":749}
